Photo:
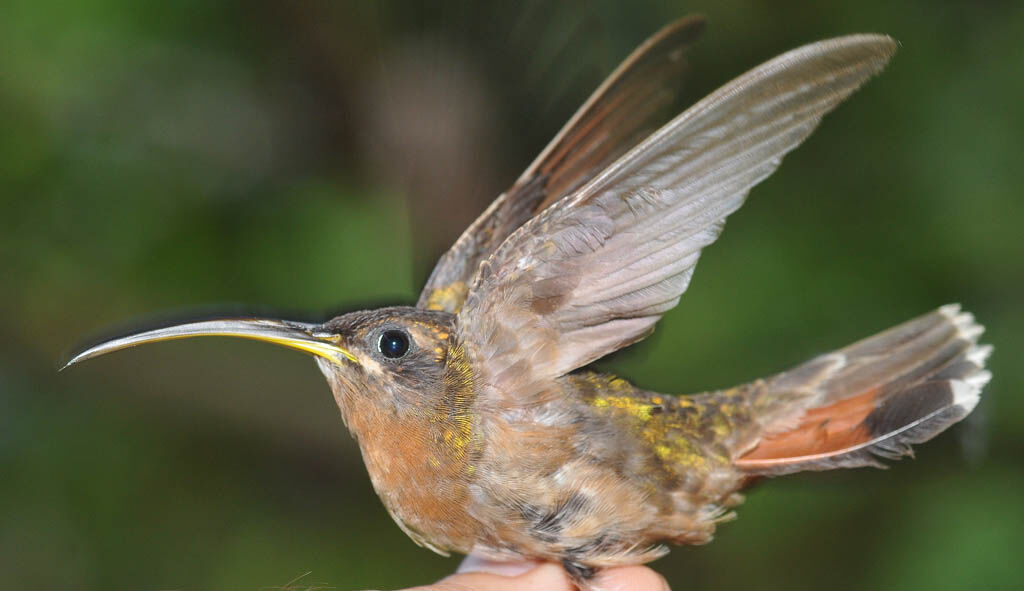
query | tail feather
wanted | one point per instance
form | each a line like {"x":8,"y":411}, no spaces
{"x":873,"y":399}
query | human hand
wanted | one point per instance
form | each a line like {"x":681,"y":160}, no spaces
{"x":478,"y":574}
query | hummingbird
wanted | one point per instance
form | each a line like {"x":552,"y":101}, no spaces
{"x":482,"y":425}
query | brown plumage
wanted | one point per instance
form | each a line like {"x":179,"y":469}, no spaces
{"x":480,"y":426}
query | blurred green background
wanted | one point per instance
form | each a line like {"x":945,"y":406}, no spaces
{"x":160,"y":158}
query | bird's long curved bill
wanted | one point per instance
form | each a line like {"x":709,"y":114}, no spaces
{"x":294,"y":335}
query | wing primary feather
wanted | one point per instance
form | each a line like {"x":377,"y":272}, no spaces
{"x":662,"y":54}
{"x":627,"y":106}
{"x":625,"y":244}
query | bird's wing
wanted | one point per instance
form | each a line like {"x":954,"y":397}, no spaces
{"x":595,"y":271}
{"x":628,"y":106}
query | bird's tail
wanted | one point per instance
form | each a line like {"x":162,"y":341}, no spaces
{"x":870,"y":400}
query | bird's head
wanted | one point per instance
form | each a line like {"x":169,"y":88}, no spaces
{"x":386,"y":362}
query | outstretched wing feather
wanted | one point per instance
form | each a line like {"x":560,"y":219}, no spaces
{"x":595,"y":271}
{"x":628,"y":106}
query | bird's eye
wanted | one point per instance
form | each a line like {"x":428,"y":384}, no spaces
{"x":393,"y":344}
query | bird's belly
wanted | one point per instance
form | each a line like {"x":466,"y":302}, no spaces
{"x":549,"y":493}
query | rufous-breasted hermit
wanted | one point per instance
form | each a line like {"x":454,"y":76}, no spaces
{"x":480,"y":425}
